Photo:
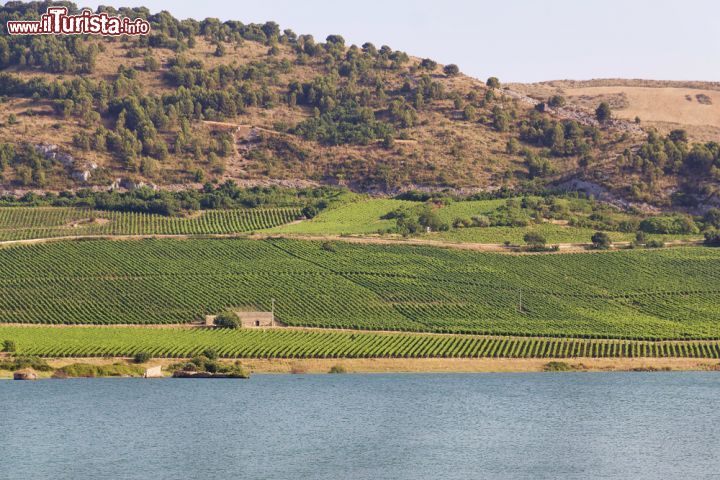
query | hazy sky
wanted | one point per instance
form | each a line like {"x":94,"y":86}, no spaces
{"x":516,"y":40}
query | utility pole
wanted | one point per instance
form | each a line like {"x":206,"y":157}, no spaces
{"x":272,"y":320}
{"x":520,"y":309}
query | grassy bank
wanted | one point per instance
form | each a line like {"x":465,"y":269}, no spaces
{"x":282,"y":343}
{"x":411,"y":365}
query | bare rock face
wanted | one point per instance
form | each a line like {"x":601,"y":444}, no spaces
{"x":26,"y":374}
{"x":52,"y":153}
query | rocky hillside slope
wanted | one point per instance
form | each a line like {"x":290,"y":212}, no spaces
{"x":200,"y":101}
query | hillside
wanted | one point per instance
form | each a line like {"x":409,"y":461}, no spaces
{"x":200,"y":101}
{"x":665,"y":105}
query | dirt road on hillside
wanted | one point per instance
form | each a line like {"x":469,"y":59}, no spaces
{"x":482,"y":247}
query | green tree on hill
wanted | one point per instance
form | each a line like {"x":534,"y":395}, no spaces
{"x":535,"y":240}
{"x":493,"y":82}
{"x":603,"y":112}
{"x":601,"y":241}
{"x":451,"y":70}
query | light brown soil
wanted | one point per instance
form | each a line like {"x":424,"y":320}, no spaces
{"x":436,"y":365}
{"x":485,"y":247}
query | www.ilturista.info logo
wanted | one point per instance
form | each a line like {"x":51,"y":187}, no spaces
{"x":57,"y":22}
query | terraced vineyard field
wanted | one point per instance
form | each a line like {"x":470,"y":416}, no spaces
{"x":20,"y":223}
{"x":641,"y":294}
{"x":180,"y":343}
{"x":366,"y":217}
{"x":361,"y":217}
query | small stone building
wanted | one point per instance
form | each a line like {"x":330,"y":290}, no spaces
{"x":256,"y":319}
{"x":247,"y":319}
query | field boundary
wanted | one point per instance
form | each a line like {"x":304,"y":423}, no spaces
{"x":483,"y":247}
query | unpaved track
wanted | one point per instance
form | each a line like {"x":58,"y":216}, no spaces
{"x":482,"y":247}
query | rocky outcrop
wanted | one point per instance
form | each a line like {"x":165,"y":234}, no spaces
{"x":26,"y":374}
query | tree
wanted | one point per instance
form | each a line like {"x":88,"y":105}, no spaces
{"x":451,"y":70}
{"x":601,"y":241}
{"x":9,"y":346}
{"x":501,"y":120}
{"x":141,"y":357}
{"x":556,"y":101}
{"x":151,"y":64}
{"x":469,"y":113}
{"x":712,"y":238}
{"x":712,"y":217}
{"x":493,"y":82}
{"x":678,"y":135}
{"x":535,"y":240}
{"x":603,"y":112}
{"x":227,"y":320}
{"x":428,"y":64}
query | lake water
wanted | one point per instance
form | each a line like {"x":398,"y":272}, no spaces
{"x":396,"y":426}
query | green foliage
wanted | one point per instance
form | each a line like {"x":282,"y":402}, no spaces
{"x":537,"y":166}
{"x":415,"y":288}
{"x":428,"y":64}
{"x":451,"y":70}
{"x":603,"y":112}
{"x":18,"y":223}
{"x":227,"y":319}
{"x":556,"y":101}
{"x":23,"y":362}
{"x":556,"y":366}
{"x":564,"y":138}
{"x":8,"y":346}
{"x":654,"y":244}
{"x":84,"y":370}
{"x":601,"y":241}
{"x":500,"y":119}
{"x":142,"y":357}
{"x":337,"y":369}
{"x":493,"y":82}
{"x":712,"y":238}
{"x":345,"y":124}
{"x":535,"y":240}
{"x":672,"y":224}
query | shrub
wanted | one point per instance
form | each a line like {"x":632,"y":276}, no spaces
{"x":210,"y":353}
{"x":712,"y":238}
{"x":655,"y":244}
{"x":669,"y":224}
{"x":640,"y":237}
{"x":19,"y":363}
{"x":534,"y":240}
{"x":337,"y":369}
{"x":9,"y":346}
{"x":493,"y":82}
{"x":556,"y":101}
{"x":558,"y":367}
{"x":601,"y":241}
{"x":90,"y":371}
{"x":451,"y":70}
{"x":603,"y":112}
{"x":142,"y":357}
{"x":227,"y":320}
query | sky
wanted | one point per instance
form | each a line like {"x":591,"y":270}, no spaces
{"x":515,"y":40}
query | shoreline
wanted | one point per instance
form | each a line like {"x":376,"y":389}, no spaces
{"x":421,"y":365}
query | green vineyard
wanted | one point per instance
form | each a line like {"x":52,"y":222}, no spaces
{"x":638,"y":294}
{"x":181,"y":343}
{"x":18,"y":223}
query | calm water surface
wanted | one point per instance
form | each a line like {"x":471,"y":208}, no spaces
{"x":567,"y":425}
